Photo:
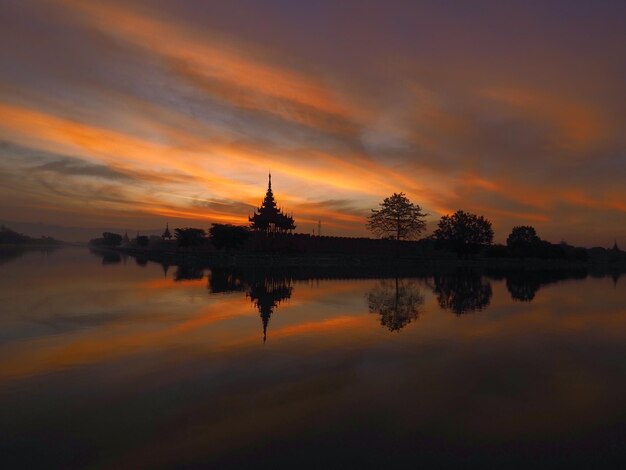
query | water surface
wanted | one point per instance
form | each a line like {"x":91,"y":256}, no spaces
{"x":111,"y":362}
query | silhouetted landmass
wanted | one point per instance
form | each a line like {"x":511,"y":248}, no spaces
{"x":11,"y":237}
{"x":461,"y":236}
{"x":461,"y":239}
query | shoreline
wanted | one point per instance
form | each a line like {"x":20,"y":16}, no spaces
{"x":354,"y":261}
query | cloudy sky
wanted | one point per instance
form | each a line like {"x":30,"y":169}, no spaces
{"x":130,"y":114}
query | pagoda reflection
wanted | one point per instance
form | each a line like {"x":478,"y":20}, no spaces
{"x":266,"y":289}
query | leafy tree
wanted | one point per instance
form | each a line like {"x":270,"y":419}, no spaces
{"x":227,"y":236}
{"x":111,"y":239}
{"x":464,"y":232}
{"x":398,"y":218}
{"x":189,"y":236}
{"x":523,"y":241}
{"x":142,"y":240}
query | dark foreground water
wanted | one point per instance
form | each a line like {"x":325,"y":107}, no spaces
{"x":110,"y":363}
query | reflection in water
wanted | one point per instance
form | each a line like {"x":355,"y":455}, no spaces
{"x":188,"y":273}
{"x":166,"y":268}
{"x":463,"y":291}
{"x":84,"y":348}
{"x":222,"y":280}
{"x":111,"y":257}
{"x":615,"y":275}
{"x":267,"y":292}
{"x":9,"y":254}
{"x":265,"y":288}
{"x":523,"y":285}
{"x":396,"y":301}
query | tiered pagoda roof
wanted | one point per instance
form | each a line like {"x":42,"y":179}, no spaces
{"x":269,"y":218}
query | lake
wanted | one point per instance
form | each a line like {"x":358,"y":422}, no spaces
{"x":111,"y":362}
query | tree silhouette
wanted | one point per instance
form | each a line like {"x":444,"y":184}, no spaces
{"x":142,"y":240}
{"x":111,"y":239}
{"x":227,"y":236}
{"x":523,"y":241}
{"x":464,"y":232}
{"x":397,"y":217}
{"x":189,"y":236}
{"x":396,"y":302}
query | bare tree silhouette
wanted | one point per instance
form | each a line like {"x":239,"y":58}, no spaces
{"x":398,"y":218}
{"x":397,"y":302}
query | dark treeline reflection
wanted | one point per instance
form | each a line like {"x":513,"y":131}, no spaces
{"x":188,"y":273}
{"x":8,"y":254}
{"x":463,"y":291}
{"x":523,"y":285}
{"x":396,"y":297}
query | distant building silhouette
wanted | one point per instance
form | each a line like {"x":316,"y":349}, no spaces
{"x":268,"y":218}
{"x":166,"y":234}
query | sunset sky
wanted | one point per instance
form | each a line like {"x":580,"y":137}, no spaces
{"x":130,"y":114}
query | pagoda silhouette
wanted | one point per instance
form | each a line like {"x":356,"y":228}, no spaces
{"x":269,"y":218}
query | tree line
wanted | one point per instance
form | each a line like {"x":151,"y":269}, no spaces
{"x":464,"y":233}
{"x":396,"y":220}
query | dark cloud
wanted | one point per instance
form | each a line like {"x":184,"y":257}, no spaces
{"x":74,"y":167}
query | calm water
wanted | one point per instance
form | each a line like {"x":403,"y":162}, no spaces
{"x":106,"y":362}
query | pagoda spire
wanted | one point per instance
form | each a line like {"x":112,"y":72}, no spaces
{"x":268,"y":217}
{"x":166,"y":234}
